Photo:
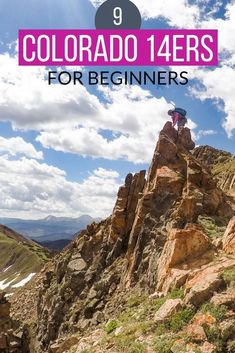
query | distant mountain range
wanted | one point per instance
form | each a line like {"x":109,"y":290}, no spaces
{"x":50,"y":228}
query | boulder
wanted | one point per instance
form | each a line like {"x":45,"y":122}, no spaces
{"x":203,"y":290}
{"x":182,"y":245}
{"x":208,"y":347}
{"x":77,"y":264}
{"x":229,"y":238}
{"x":170,"y":307}
{"x":226,"y":299}
{"x":196,"y":333}
{"x":64,"y":345}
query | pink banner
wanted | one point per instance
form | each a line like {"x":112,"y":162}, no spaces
{"x":118,"y":48}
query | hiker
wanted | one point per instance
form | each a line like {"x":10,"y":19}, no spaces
{"x":178,"y":116}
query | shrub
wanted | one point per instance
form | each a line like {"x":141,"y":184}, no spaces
{"x":135,"y":301}
{"x":111,"y":326}
{"x":126,"y":343}
{"x":214,"y":227}
{"x":163,"y":344}
{"x":176,"y":293}
{"x":180,"y":319}
{"x":218,"y":312}
{"x":229,"y":276}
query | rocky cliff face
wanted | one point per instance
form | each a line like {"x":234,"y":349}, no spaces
{"x":156,"y":241}
{"x":10,"y":341}
{"x":222,"y":165}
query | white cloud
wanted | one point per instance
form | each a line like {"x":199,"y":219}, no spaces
{"x":133,"y":115}
{"x":226,"y":30}
{"x":202,"y":133}
{"x":31,"y":189}
{"x":17,"y":145}
{"x":218,"y":85}
{"x":70,"y":119}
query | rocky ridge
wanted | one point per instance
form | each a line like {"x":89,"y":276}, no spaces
{"x":222,"y":166}
{"x":154,"y":249}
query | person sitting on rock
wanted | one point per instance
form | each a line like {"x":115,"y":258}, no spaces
{"x":178,"y":116}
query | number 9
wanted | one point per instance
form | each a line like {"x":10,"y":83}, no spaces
{"x":117,"y":14}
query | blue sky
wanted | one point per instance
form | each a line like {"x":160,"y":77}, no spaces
{"x":66,"y":151}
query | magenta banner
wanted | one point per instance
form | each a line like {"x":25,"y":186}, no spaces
{"x":118,"y":48}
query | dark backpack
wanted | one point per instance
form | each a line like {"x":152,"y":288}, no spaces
{"x":181,"y":111}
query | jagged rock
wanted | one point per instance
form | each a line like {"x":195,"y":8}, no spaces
{"x":9,"y":340}
{"x":185,"y":139}
{"x":226,"y":299}
{"x":63,"y":346}
{"x":166,"y":148}
{"x":208,"y":347}
{"x":229,"y":238}
{"x":222,"y":165}
{"x":151,"y":241}
{"x":211,"y":156}
{"x":3,"y":341}
{"x":125,"y":207}
{"x":182,"y":245}
{"x":227,"y":329}
{"x":196,"y":333}
{"x":170,"y":307}
{"x":204,"y":289}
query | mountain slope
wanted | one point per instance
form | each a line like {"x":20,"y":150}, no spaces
{"x":222,"y":166}
{"x":140,"y":280}
{"x":20,"y":259}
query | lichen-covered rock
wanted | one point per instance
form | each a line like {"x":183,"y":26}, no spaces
{"x":196,"y":333}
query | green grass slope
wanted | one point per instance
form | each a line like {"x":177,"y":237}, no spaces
{"x":19,"y":257}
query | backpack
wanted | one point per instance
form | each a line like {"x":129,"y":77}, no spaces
{"x":181,"y":111}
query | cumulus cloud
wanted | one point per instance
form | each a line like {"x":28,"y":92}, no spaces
{"x":33,"y":189}
{"x":218,"y":85}
{"x":132,"y":114}
{"x":17,"y":145}
{"x":73,"y":120}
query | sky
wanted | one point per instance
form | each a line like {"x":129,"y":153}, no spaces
{"x":65,"y":150}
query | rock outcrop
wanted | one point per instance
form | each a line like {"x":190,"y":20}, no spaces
{"x":152,"y":242}
{"x":229,"y":238}
{"x":221,"y":164}
{"x":170,"y":307}
{"x":10,"y":341}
